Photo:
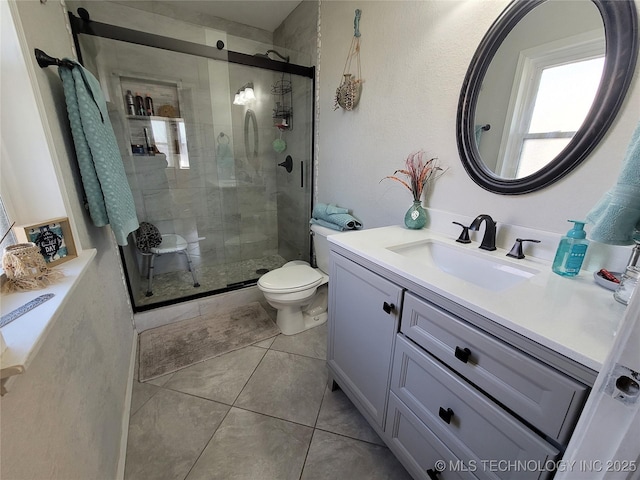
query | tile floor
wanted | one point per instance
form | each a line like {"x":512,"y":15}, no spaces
{"x":260,"y":413}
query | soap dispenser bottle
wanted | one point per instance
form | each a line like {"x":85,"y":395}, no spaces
{"x":571,"y":251}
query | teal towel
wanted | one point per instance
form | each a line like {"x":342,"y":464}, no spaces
{"x":324,"y":223}
{"x":334,"y":217}
{"x":103,"y":177}
{"x":617,"y":215}
{"x":478,"y":130}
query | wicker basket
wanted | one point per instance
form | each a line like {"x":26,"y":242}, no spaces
{"x":26,"y":268}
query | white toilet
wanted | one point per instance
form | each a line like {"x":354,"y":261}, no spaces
{"x":299,"y":292}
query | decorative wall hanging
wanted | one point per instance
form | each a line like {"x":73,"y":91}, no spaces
{"x":348,"y":93}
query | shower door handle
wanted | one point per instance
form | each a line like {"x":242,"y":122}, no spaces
{"x":301,"y":174}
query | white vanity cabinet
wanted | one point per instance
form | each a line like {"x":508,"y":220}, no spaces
{"x":364,"y":312}
{"x":451,"y":400}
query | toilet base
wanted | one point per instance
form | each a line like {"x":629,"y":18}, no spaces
{"x":292,"y":320}
{"x":291,"y":323}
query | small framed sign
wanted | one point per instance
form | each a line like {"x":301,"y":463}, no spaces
{"x":53,"y":237}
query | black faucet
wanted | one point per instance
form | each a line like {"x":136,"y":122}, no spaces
{"x":489,"y":239}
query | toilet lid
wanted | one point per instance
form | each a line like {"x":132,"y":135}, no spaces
{"x":292,"y":279}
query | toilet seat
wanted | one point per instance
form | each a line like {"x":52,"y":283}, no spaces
{"x":294,"y":278}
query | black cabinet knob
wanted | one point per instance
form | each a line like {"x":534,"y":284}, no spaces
{"x":388,"y":307}
{"x":445,"y":414}
{"x":462,"y":354}
{"x":433,"y":473}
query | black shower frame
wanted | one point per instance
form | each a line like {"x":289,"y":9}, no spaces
{"x":84,"y":25}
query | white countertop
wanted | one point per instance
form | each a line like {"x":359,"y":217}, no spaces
{"x":573,"y":316}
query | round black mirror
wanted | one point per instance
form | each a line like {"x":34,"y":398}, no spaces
{"x":518,"y":130}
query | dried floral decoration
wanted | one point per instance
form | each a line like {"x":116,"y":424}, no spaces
{"x":419,"y":173}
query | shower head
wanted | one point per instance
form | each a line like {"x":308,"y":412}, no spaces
{"x":266,"y":55}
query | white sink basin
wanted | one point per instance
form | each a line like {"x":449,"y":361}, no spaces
{"x":473,"y":266}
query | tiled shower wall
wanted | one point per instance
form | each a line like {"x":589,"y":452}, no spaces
{"x":298,"y":33}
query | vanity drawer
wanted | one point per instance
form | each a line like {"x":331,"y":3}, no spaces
{"x":420,"y":451}
{"x":474,"y":428}
{"x":546,"y":398}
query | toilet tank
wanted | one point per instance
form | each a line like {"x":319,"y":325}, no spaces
{"x":321,"y":245}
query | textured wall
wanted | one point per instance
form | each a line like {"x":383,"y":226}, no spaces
{"x":414,"y":57}
{"x":62,"y":419}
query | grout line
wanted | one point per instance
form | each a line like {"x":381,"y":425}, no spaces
{"x":250,"y":377}
{"x":207,"y":443}
{"x":306,"y":455}
{"x":131,"y":415}
{"x":273,"y":416}
{"x":351,"y":438}
{"x":298,"y":354}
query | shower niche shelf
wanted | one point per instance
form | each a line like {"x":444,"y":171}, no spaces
{"x":158,"y":128}
{"x":283,"y":111}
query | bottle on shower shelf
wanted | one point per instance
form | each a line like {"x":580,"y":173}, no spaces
{"x":131,"y":106}
{"x":149,"y":104}
{"x":140,"y":108}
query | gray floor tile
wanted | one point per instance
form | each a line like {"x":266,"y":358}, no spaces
{"x":265,"y":343}
{"x":221,"y":378}
{"x":286,"y":386}
{"x":250,"y":446}
{"x":140,"y":393}
{"x":339,"y":415}
{"x":168,"y":433}
{"x":334,"y":456}
{"x":312,"y":342}
{"x":160,"y":381}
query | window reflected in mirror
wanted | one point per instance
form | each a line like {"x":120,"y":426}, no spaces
{"x":540,"y":86}
{"x":563,"y":99}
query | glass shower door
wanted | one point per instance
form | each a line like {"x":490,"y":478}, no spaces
{"x":205,"y":169}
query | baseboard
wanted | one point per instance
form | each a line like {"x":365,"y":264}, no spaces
{"x":127,"y":410}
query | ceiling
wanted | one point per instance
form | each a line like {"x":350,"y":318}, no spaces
{"x":264,"y":14}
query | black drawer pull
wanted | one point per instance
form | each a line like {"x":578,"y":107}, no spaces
{"x":445,"y":414}
{"x":433,"y":474}
{"x":462,"y":354}
{"x":388,"y":307}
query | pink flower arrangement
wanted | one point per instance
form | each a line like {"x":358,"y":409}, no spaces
{"x":418,"y":172}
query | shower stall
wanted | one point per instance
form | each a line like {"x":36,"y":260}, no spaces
{"x":217,"y":147}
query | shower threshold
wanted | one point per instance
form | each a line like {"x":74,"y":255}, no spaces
{"x":175,"y":287}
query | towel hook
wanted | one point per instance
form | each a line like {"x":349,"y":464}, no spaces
{"x":356,"y":23}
